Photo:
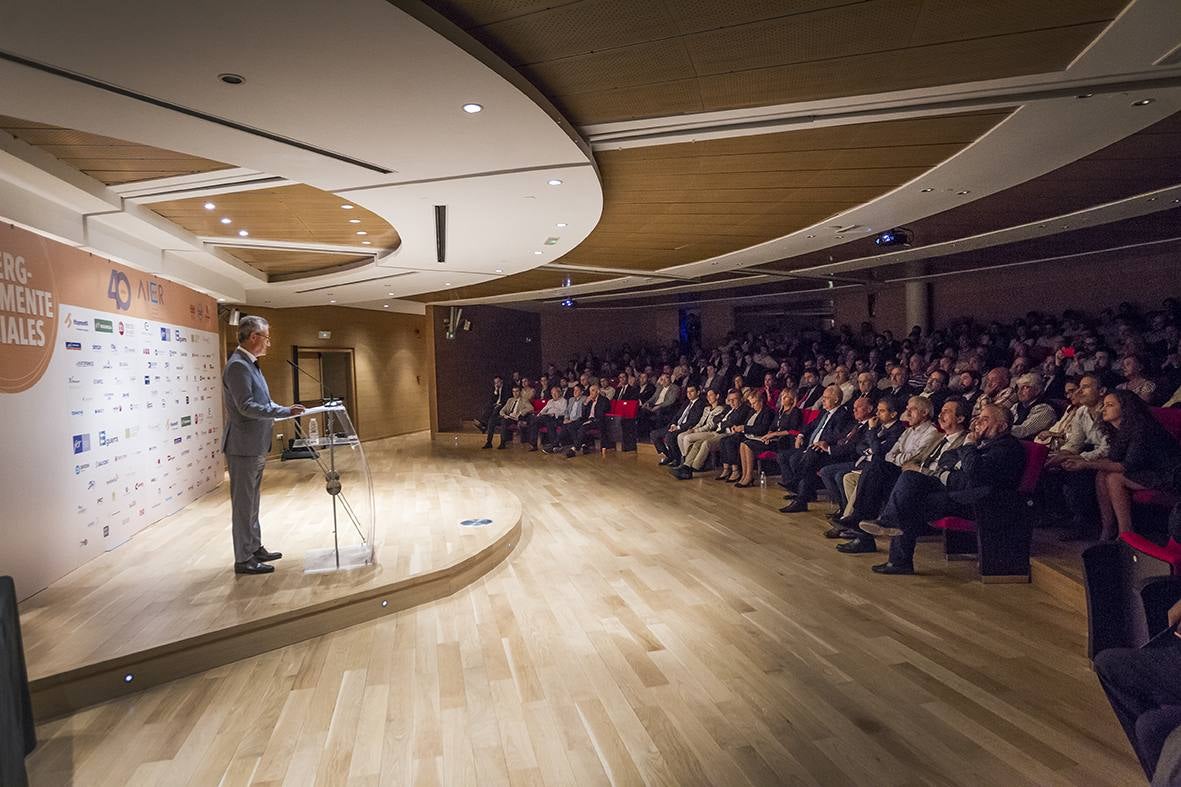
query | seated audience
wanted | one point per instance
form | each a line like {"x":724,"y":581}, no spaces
{"x":757,"y":423}
{"x":594,"y":418}
{"x":989,"y":463}
{"x":787,"y":423}
{"x":1132,"y":368}
{"x":840,"y":479}
{"x":809,"y":391}
{"x":1085,"y":439}
{"x":996,"y":390}
{"x":1141,"y":455}
{"x":656,"y":412}
{"x":700,"y":445}
{"x":798,"y":465}
{"x":1031,"y":414}
{"x":499,"y":395}
{"x":711,"y":415}
{"x":575,"y":406}
{"x":665,"y":440}
{"x":550,"y":417}
{"x":517,"y":413}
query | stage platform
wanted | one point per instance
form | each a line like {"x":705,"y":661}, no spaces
{"x":167,"y":603}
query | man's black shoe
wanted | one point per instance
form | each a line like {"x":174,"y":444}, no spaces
{"x":834,"y":532}
{"x":263,"y":556}
{"x":858,"y":546}
{"x":683,"y":472}
{"x":890,"y":568}
{"x":586,"y":449}
{"x":853,"y":533}
{"x":570,"y":453}
{"x":666,"y":461}
{"x":252,"y":566}
{"x":834,"y":517}
{"x":486,"y":445}
{"x":798,"y":506}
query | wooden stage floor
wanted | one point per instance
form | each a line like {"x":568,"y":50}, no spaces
{"x":644,"y":631}
{"x":175,"y":579}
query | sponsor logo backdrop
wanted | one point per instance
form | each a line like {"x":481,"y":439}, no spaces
{"x":110,"y":400}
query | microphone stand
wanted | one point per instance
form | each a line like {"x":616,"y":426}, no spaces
{"x":331,"y":475}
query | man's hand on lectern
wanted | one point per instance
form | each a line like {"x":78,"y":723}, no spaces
{"x":297,"y":409}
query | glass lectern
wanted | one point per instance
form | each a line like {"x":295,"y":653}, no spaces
{"x":330,"y":441}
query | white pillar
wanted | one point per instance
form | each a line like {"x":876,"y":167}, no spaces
{"x":918,"y":302}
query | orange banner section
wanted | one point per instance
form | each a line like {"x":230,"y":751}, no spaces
{"x":37,"y":275}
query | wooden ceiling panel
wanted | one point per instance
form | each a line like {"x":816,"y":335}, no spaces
{"x":288,"y":213}
{"x":284,"y":261}
{"x":108,"y":160}
{"x":611,"y":60}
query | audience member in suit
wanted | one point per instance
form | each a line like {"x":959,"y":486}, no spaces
{"x":810,"y":390}
{"x":857,"y":445}
{"x":989,"y":464}
{"x":786,"y":425}
{"x":812,"y":450}
{"x":517,"y":412}
{"x":700,"y":449}
{"x":500,"y":395}
{"x":1142,"y":455}
{"x":898,"y":389}
{"x":969,"y":389}
{"x":1085,"y":439}
{"x":758,"y":422}
{"x":997,"y":390}
{"x":931,"y":460}
{"x":550,"y":416}
{"x":878,"y":478}
{"x":936,"y":389}
{"x":867,"y":388}
{"x":626,"y":388}
{"x":1143,"y":686}
{"x":647,"y":388}
{"x":694,"y":443}
{"x":593,"y":420}
{"x":665,"y":440}
{"x":712,"y":381}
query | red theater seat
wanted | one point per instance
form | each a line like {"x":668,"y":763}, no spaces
{"x":1169,"y":552}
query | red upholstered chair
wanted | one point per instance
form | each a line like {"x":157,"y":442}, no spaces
{"x":1001,"y":555}
{"x":768,"y":461}
{"x":621,"y":424}
{"x":538,"y":404}
{"x":1168,"y":554}
{"x":811,"y":414}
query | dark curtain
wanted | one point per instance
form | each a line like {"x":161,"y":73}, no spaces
{"x":17,"y":734}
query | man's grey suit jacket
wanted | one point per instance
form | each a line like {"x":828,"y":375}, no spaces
{"x":249,"y":409}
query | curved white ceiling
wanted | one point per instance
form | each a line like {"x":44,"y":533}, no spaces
{"x":358,"y":78}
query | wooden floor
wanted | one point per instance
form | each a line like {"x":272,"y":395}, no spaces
{"x":645,"y":631}
{"x":175,"y":579}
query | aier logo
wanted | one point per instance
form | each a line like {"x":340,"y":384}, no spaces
{"x":103,"y":326}
{"x":81,"y":443}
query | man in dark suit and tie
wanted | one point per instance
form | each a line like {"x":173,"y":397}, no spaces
{"x":665,"y":440}
{"x":813,"y":449}
{"x":626,"y":388}
{"x":810,"y":390}
{"x":247,"y":440}
{"x":500,"y":395}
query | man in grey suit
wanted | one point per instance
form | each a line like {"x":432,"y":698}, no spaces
{"x":247,"y":439}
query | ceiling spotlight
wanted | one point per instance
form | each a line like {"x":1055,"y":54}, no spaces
{"x":221,"y":300}
{"x":1152,"y":199}
{"x":362,"y":232}
{"x":1084,"y":95}
{"x":232,"y":79}
{"x":366,"y":243}
{"x":568,"y":303}
{"x":332,"y":301}
{"x":927,"y":190}
{"x":226,"y":220}
{"x":963,"y":193}
{"x":501,"y":270}
{"x":809,"y":236}
{"x":1143,"y":102}
{"x":354,"y":221}
{"x":537,"y":252}
{"x":446,"y":284}
{"x":561,"y":224}
{"x":472,"y":109}
{"x":242,"y":233}
{"x":390,"y":294}
{"x":209,"y":206}
{"x":346,"y":206}
{"x":386,"y":306}
{"x":554,"y":182}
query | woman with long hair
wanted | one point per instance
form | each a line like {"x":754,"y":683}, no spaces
{"x":1142,"y":456}
{"x":758,"y":422}
{"x":787,"y":422}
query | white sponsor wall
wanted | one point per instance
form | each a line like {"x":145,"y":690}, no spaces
{"x":121,"y":428}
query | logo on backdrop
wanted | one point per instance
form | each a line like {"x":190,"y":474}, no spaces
{"x":28,"y":310}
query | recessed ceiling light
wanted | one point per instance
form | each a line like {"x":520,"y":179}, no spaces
{"x":366,"y":243}
{"x":501,"y":270}
{"x":221,"y":300}
{"x":332,"y":301}
{"x":1065,"y":226}
{"x":537,"y":252}
{"x":346,"y":206}
{"x":226,"y":220}
{"x":390,"y":294}
{"x":354,"y":221}
{"x":561,"y":224}
{"x":964,"y":192}
{"x":386,"y":305}
{"x":362,"y":232}
{"x":1152,"y":199}
{"x":1084,"y":95}
{"x":927,"y":190}
{"x":209,"y":206}
{"x":1041,"y":226}
{"x":243,"y":233}
{"x":232,"y":79}
{"x":472,"y":109}
{"x":810,"y":236}
{"x":1143,"y":102}
{"x":446,"y":284}
{"x":554,"y":182}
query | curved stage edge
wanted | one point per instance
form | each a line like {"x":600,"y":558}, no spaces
{"x":69,"y":688}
